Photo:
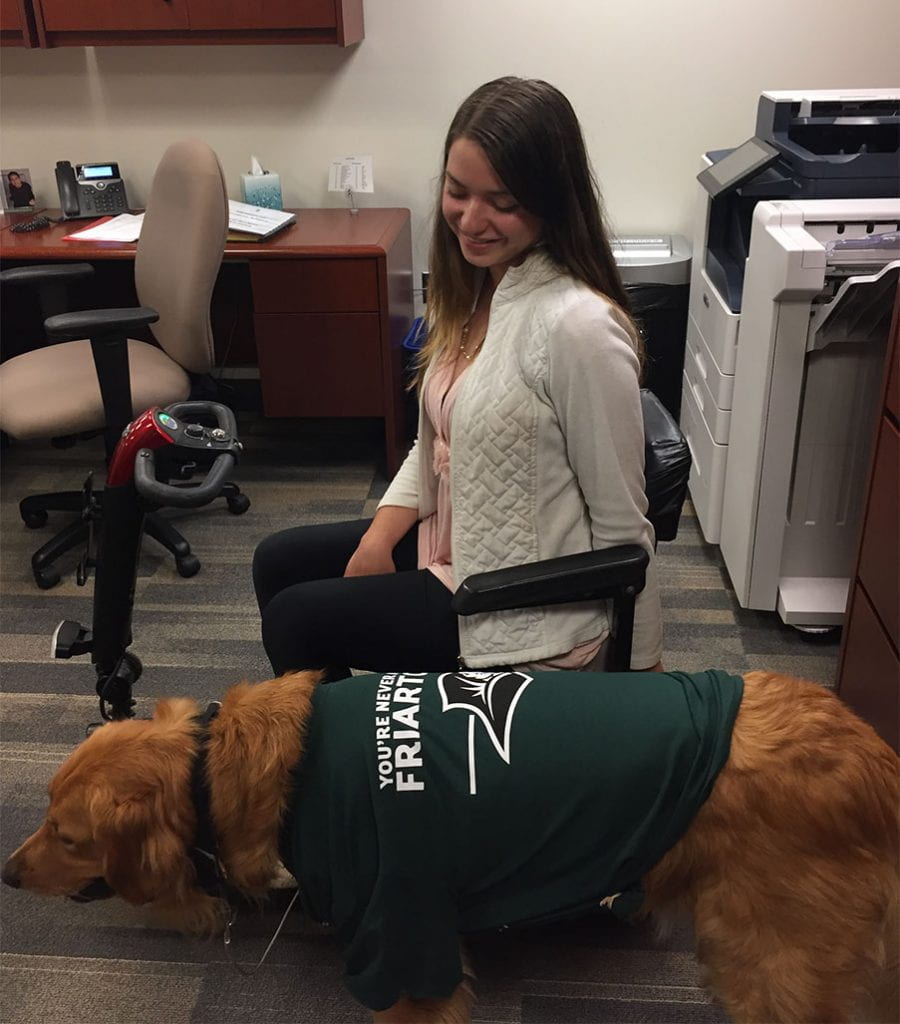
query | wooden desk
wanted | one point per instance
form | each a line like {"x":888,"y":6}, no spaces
{"x":332,"y":300}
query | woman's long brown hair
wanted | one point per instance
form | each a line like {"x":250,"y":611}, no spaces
{"x":532,"y":139}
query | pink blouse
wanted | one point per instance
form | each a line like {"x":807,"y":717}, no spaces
{"x":439,"y":398}
{"x":434,"y":531}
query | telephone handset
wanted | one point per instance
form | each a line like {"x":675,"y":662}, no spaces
{"x":90,"y":190}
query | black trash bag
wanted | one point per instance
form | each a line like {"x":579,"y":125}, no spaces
{"x":667,"y":464}
{"x":661,"y":311}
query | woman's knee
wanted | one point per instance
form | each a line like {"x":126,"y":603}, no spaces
{"x":267,"y":561}
{"x":302,"y":553}
{"x":290,"y":631}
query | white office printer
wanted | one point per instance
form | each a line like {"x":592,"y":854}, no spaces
{"x":789,"y":311}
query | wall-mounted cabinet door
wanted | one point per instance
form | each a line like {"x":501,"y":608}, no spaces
{"x":114,"y":15}
{"x":195,"y":22}
{"x":262,"y":14}
{"x":16,"y":24}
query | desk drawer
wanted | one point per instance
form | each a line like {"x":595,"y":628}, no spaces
{"x":314,"y":364}
{"x":315,"y":286}
{"x":892,"y":398}
{"x":870,"y":673}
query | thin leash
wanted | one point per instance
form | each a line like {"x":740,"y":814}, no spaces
{"x":229,"y":952}
{"x":205,"y":852}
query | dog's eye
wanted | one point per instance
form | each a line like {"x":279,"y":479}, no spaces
{"x":66,"y":840}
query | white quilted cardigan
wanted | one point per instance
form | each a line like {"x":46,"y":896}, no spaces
{"x":547,"y":455}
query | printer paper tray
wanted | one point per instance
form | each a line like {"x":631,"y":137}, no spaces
{"x":859,"y":312}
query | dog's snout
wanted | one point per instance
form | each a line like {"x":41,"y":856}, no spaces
{"x":9,"y":875}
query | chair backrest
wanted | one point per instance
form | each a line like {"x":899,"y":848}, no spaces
{"x":667,"y":466}
{"x":180,"y":249}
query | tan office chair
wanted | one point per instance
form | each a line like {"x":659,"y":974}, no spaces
{"x":99,"y":378}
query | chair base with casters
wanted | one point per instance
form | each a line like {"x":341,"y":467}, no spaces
{"x":614,"y":574}
{"x":34,"y":510}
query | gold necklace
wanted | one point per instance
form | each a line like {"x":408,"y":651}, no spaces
{"x":462,"y":345}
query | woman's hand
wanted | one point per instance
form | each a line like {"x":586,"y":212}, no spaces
{"x":374,"y":554}
{"x":370,"y":559}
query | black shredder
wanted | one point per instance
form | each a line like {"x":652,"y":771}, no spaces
{"x":656,"y":272}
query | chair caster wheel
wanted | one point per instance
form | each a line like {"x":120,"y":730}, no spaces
{"x":238,"y":505}
{"x":46,"y":578}
{"x":187,"y":566}
{"x":34,"y":520}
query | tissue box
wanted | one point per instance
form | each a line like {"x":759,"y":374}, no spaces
{"x":262,"y":190}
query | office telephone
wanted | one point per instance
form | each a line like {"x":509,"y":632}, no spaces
{"x":90,"y":190}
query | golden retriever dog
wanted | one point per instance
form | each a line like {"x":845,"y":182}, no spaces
{"x":787,"y":866}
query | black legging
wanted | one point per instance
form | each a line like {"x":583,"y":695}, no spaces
{"x":312,"y":617}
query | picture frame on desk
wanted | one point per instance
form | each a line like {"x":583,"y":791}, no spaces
{"x":18,"y":195}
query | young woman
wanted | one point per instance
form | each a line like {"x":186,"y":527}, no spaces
{"x":530,"y":431}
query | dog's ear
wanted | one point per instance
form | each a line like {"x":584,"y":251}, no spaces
{"x":144,"y":856}
{"x":174,"y":709}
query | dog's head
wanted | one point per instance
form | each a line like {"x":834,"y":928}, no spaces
{"x":120,"y":821}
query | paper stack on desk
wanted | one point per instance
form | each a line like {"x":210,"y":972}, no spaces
{"x":253,"y":223}
{"x":124,"y":228}
{"x":246,"y":223}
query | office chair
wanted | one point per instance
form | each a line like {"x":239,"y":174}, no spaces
{"x":615,"y":574}
{"x":96,"y":377}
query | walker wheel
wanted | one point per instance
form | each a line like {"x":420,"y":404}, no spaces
{"x":238,"y":505}
{"x":34,"y":520}
{"x":187,"y":566}
{"x":133,"y":666}
{"x":46,"y":578}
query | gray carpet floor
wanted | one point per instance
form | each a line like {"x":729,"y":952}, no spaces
{"x":70,"y":964}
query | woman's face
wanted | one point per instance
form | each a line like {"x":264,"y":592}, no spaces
{"x":493,"y":229}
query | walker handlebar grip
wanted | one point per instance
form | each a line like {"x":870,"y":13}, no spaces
{"x":217,"y":447}
{"x":224,"y":416}
{"x":164,"y":494}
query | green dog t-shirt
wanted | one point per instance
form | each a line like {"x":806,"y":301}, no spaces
{"x":429,"y":805}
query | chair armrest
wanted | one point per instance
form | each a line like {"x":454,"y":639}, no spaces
{"x":46,"y":273}
{"x":585,"y":576}
{"x":99,"y":322}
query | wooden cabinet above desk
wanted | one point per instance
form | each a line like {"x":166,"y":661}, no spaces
{"x":167,"y":22}
{"x":17,"y":24}
{"x":332,"y":300}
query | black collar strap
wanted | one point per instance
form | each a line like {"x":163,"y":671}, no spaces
{"x":204,"y":852}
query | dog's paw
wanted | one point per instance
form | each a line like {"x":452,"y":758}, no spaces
{"x":282,"y":879}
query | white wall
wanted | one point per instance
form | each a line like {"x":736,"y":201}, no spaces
{"x":655,"y":83}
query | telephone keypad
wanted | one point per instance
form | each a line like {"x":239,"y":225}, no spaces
{"x":108,"y":197}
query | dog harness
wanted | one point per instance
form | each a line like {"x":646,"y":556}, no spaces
{"x":429,"y":805}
